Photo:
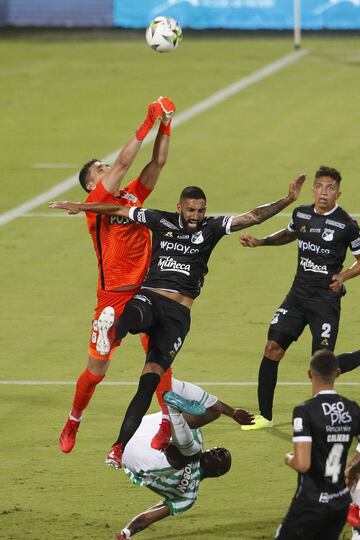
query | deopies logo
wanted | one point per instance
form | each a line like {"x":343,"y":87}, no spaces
{"x":168,"y":264}
{"x":337,"y":412}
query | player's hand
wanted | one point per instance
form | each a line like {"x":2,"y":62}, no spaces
{"x":288,"y":458}
{"x":337,"y":283}
{"x":243,"y":417}
{"x":295,"y":187}
{"x":71,"y":207}
{"x":121,"y":536}
{"x":168,"y":108}
{"x":247,"y":240}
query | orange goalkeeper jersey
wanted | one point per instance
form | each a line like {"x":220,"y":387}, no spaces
{"x":123,"y":248}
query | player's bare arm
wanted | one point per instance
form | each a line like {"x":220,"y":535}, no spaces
{"x":151,"y":172}
{"x":300,"y":458}
{"x":266,"y":211}
{"x":338,"y":279}
{"x":98,"y":208}
{"x":240,"y":416}
{"x":142,"y":521}
{"x":279,"y":238}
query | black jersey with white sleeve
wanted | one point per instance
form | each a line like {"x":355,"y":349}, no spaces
{"x":322,"y":244}
{"x":329,"y":422}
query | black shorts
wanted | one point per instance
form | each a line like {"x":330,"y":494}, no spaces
{"x":168,"y":324}
{"x":296,"y":312}
{"x":309,"y":520}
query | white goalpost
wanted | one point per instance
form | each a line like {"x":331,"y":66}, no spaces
{"x":297,"y":24}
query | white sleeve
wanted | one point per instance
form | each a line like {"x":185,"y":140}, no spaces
{"x":191,"y":391}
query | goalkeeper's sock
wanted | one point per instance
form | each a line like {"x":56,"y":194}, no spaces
{"x":266,"y":386}
{"x":144,"y":338}
{"x":349,"y":361}
{"x":85,"y":387}
{"x":164,"y":386}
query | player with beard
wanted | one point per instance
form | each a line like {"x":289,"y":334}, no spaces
{"x":182,"y":243}
{"x":324,"y":232}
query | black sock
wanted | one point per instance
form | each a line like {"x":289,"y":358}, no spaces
{"x":138,"y":407}
{"x":348,"y":361}
{"x":266,"y":386}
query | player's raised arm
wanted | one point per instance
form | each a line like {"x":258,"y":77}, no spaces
{"x":98,"y":208}
{"x":266,"y":211}
{"x":128,"y":152}
{"x":142,"y":521}
{"x":151,"y":172}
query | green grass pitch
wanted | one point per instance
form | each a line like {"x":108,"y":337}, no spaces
{"x":68,"y":96}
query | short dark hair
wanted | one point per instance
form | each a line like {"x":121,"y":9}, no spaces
{"x":192,"y":192}
{"x":324,"y":364}
{"x":328,"y":171}
{"x":215,"y":462}
{"x":84,"y":173}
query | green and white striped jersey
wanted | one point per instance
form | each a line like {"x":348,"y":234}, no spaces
{"x":148,"y":467}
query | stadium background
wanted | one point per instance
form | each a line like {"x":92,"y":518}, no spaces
{"x":67,"y":94}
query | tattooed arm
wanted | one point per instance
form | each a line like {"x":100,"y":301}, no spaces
{"x":279,"y":238}
{"x":261,"y":213}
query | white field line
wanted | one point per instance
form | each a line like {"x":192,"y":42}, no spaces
{"x":133,"y":383}
{"x":181,"y":118}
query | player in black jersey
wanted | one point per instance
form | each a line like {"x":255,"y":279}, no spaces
{"x":182,"y":243}
{"x":323,"y":231}
{"x":323,"y":429}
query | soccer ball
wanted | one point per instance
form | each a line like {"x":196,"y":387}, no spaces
{"x":163,"y":34}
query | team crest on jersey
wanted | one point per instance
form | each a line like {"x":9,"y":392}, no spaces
{"x":328,"y":235}
{"x":303,"y":228}
{"x":298,"y":424}
{"x":325,"y":342}
{"x":168,"y":234}
{"x":197,"y":238}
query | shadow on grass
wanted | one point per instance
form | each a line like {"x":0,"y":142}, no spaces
{"x":239,"y":530}
{"x":279,"y":434}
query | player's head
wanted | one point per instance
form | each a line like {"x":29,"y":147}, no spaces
{"x":324,"y":367}
{"x":326,"y":187}
{"x":192,"y":207}
{"x":92,"y":173}
{"x":215,"y":462}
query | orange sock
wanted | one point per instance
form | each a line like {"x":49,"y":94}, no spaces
{"x":85,"y":387}
{"x":164,"y":386}
{"x":144,"y":342}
